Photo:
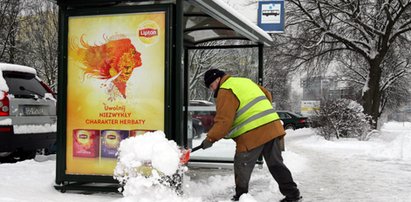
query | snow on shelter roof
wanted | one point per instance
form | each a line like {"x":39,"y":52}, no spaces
{"x":222,"y":12}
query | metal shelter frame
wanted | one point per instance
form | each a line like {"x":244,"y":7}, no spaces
{"x":190,"y":23}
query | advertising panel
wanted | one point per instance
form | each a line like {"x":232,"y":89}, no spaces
{"x":115,"y":86}
{"x":271,"y":16}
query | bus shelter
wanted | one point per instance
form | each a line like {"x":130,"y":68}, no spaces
{"x":123,"y":72}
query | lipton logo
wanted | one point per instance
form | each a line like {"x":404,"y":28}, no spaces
{"x":148,"y":32}
{"x":111,"y":137}
{"x":83,"y":136}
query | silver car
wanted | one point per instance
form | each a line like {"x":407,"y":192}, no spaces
{"x":27,"y":113}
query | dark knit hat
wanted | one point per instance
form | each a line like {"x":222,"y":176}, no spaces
{"x":211,"y":75}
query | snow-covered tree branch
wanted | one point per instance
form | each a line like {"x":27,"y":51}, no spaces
{"x":371,"y":30}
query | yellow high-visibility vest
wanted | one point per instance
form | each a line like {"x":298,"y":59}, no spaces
{"x":255,"y":109}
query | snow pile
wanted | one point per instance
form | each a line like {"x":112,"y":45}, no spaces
{"x":396,"y":126}
{"x":247,"y":198}
{"x":394,"y":142}
{"x":24,"y":129}
{"x":147,"y":166}
{"x":152,"y":147}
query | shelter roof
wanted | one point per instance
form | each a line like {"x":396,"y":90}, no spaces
{"x":204,"y":20}
{"x":208,"y":20}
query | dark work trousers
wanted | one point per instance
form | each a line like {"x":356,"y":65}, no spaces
{"x":244,"y":163}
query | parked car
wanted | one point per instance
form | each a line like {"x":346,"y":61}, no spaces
{"x":292,"y":120}
{"x":203,"y":111}
{"x":27,"y":113}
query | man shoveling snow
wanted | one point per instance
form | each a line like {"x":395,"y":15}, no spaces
{"x":244,"y":113}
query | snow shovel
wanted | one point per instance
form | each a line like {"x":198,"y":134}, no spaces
{"x":185,"y":157}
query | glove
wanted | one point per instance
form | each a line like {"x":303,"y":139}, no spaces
{"x":206,"y":144}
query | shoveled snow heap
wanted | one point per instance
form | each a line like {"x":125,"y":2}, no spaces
{"x":143,"y":160}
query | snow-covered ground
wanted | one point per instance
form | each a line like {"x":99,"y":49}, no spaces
{"x":338,"y":170}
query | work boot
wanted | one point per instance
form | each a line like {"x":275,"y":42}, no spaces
{"x":297,"y":199}
{"x":235,"y":198}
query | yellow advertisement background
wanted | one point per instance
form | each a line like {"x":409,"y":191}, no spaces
{"x":86,"y":96}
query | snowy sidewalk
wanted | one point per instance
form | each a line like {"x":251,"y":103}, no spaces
{"x":350,"y":170}
{"x":343,"y":170}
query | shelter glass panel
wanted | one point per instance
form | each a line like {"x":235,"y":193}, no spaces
{"x":241,"y":62}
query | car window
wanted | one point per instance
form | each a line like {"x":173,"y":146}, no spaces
{"x":283,"y":115}
{"x":23,"y":84}
{"x":295,"y":114}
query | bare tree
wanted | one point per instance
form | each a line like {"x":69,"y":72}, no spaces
{"x":9,"y":11}
{"x":276,"y":76}
{"x":38,"y":38}
{"x":28,"y":36}
{"x":235,"y":61}
{"x":322,"y":29}
{"x":395,"y":83}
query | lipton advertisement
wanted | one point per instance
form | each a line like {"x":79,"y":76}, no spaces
{"x":115,"y":86}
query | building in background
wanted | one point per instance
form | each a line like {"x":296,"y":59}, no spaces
{"x":319,"y":88}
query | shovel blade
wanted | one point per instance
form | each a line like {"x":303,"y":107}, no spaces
{"x":185,"y":156}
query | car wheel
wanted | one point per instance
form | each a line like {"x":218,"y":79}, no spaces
{"x":5,"y":154}
{"x":289,"y":126}
{"x":6,"y":157}
{"x":25,"y":155}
